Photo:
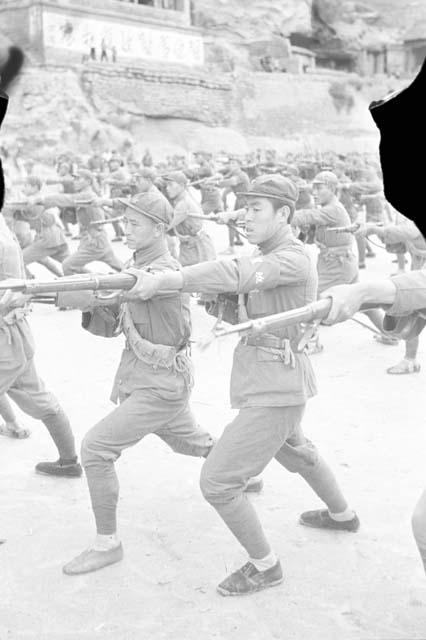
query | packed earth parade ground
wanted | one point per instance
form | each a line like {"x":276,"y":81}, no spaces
{"x":367,"y":424}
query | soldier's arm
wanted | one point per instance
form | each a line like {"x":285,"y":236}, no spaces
{"x":321,"y":216}
{"x":239,"y":275}
{"x":60,"y":200}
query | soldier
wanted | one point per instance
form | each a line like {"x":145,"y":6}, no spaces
{"x":401,"y":238}
{"x":153,"y":382}
{"x":271,"y":380}
{"x":118,"y":182}
{"x":18,"y":375}
{"x":368,"y":190}
{"x":195,"y":244}
{"x":94,"y":243}
{"x":235,"y":181}
{"x":406,"y":296}
{"x":336,"y":260}
{"x":49,"y":246}
{"x":65,"y":178}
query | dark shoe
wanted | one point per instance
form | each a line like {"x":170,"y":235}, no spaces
{"x":254,"y":485}
{"x":362,"y":265}
{"x":117,"y":239}
{"x":92,"y":560}
{"x":321,"y":519}
{"x":239,"y":243}
{"x":248,"y":579}
{"x":65,"y":468}
{"x":371,"y":255}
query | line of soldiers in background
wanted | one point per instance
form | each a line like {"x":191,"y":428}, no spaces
{"x":90,"y":191}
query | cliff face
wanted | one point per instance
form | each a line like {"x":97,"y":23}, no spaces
{"x":238,"y":19}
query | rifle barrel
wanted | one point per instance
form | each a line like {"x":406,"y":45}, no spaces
{"x":315,"y":311}
{"x":99,"y":223}
{"x":93,"y":282}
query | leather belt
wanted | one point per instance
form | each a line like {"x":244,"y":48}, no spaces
{"x":270,"y":341}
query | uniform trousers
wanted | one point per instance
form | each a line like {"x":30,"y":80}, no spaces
{"x":140,"y":413}
{"x":248,"y":444}
{"x":20,"y":380}
{"x":91,"y":248}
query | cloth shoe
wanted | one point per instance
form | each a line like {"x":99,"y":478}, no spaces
{"x":248,"y":579}
{"x":65,"y":468}
{"x":321,"y":519}
{"x":92,"y":560}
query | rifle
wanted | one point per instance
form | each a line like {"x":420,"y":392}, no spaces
{"x":92,"y":282}
{"x":16,"y":203}
{"x":352,"y":228}
{"x":310,"y":314}
{"x":99,"y":223}
{"x":317,"y":310}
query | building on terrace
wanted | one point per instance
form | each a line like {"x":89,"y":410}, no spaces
{"x":126,"y":31}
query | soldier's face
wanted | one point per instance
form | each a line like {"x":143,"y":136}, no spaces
{"x":141,"y":232}
{"x":173,"y":189}
{"x":261,"y":220}
{"x":322,"y":194}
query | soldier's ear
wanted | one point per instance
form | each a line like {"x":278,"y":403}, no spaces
{"x":284,"y":212}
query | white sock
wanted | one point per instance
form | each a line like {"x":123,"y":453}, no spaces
{"x":343,"y":516}
{"x":265,"y":563}
{"x":106,"y":542}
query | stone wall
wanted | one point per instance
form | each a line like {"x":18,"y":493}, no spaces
{"x":158,"y":93}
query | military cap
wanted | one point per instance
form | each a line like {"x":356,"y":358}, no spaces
{"x":151,"y":205}
{"x":273,"y":186}
{"x":145,"y":172}
{"x":326,"y":177}
{"x":176,"y":176}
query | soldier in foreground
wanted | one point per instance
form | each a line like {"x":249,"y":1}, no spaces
{"x":18,"y":375}
{"x":153,"y":382}
{"x":406,"y":315}
{"x":271,"y":380}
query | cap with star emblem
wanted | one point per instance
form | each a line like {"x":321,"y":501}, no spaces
{"x":151,"y":205}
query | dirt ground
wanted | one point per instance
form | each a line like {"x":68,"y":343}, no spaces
{"x":369,"y":585}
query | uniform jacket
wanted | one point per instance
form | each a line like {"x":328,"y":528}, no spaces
{"x":330,"y":215}
{"x":278,"y":277}
{"x":16,"y":341}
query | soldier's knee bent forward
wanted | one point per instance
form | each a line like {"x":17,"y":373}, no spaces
{"x":216,"y":490}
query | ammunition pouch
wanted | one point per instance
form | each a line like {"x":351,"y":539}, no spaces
{"x":102,"y":321}
{"x":228,"y":308}
{"x":405,"y":327}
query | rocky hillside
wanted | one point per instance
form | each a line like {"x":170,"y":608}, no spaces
{"x":239,"y":19}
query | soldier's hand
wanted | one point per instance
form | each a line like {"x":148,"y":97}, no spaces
{"x":346,"y":300}
{"x":12,"y":300}
{"x":146,"y":287}
{"x":362,"y":230}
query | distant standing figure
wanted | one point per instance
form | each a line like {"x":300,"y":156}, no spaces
{"x":104,"y":54}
